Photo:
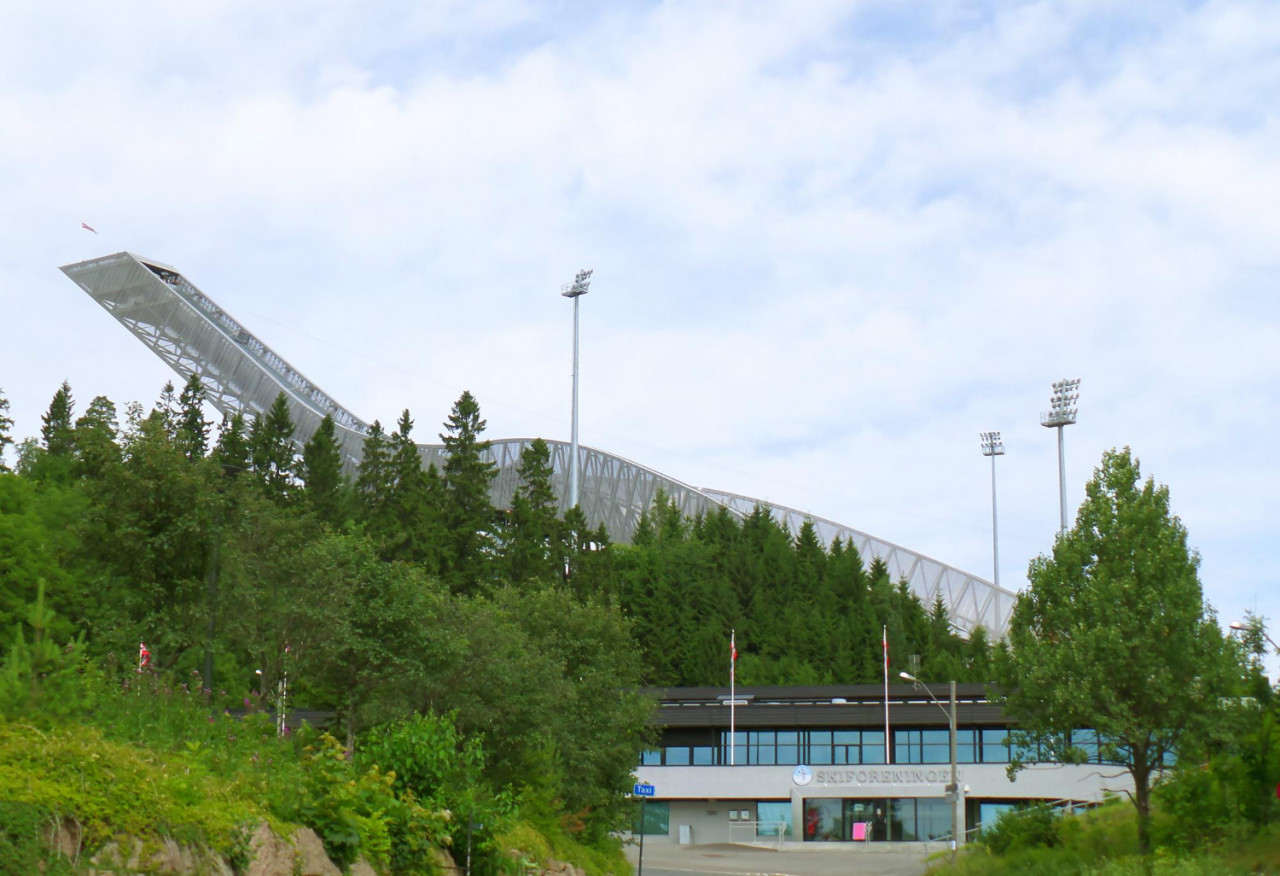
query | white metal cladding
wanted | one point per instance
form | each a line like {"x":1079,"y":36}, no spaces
{"x":186,"y":329}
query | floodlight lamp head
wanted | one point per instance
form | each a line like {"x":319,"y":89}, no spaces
{"x":1061,"y":404}
{"x":907,"y":676}
{"x":991,"y":444}
{"x":581,"y":282}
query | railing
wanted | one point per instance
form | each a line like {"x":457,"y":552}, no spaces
{"x":302,"y":387}
{"x":781,"y":829}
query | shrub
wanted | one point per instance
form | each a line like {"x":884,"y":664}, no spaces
{"x":1029,"y":827}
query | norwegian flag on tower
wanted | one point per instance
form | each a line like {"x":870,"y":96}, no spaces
{"x":733,"y":652}
{"x":144,"y":656}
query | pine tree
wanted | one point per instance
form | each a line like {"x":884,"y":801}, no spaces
{"x":468,"y":514}
{"x":193,"y":428}
{"x":324,"y":486}
{"x":271,"y":447}
{"x":58,"y":430}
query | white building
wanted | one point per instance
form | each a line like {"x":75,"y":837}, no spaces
{"x":808,"y":764}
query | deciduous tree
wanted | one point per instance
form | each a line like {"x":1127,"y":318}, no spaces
{"x":1113,"y":635}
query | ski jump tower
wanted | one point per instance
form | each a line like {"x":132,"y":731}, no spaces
{"x":240,"y":373}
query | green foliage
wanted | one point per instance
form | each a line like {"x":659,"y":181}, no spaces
{"x":687,"y":583}
{"x":271,"y":450}
{"x":96,"y":436}
{"x":534,"y":548}
{"x":1113,"y":634}
{"x":1104,"y":842}
{"x":110,"y":789}
{"x":1035,"y":826}
{"x":40,"y":680}
{"x":57,"y":428}
{"x":232,"y":449}
{"x":325,"y":488}
{"x":193,"y":429}
{"x":468,"y":515}
{"x":22,"y":827}
{"x":6,"y":424}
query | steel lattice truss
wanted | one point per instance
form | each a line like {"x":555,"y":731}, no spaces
{"x":186,"y":329}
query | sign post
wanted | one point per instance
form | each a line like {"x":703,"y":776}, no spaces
{"x":644,"y":792}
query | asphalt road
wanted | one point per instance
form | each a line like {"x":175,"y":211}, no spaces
{"x":796,"y":859}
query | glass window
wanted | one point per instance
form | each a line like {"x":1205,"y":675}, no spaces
{"x":657,"y":818}
{"x":652,"y":757}
{"x":935,"y":746}
{"x":703,"y":755}
{"x":788,"y":747}
{"x":772,"y":817}
{"x":1086,"y":741}
{"x":932,"y":820}
{"x":907,"y":746}
{"x":966,"y":746}
{"x":872,"y":746}
{"x":820,"y":747}
{"x":995,"y":745}
{"x":677,"y":755}
{"x":823,"y":819}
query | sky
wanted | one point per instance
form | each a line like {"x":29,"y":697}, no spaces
{"x":832,"y":241}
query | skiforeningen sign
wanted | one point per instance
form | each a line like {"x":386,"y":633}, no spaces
{"x":884,"y":776}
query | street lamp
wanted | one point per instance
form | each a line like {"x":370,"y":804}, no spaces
{"x":1238,"y":626}
{"x":953,"y":789}
{"x":575,"y":290}
{"x":992,"y":446}
{"x":1062,"y":412}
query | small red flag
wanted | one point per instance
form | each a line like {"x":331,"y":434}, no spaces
{"x":144,"y":656}
{"x":87,"y":227}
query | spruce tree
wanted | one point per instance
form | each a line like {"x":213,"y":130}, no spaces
{"x":373,"y":477}
{"x":324,"y":486}
{"x":232,"y":449}
{"x":469,"y":516}
{"x":96,"y":435}
{"x":58,"y":429}
{"x":533,"y":549}
{"x":193,"y":428}
{"x":411,"y":531}
{"x":6,"y":423}
{"x":271,"y":447}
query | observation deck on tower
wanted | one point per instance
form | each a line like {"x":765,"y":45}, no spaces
{"x":240,"y":373}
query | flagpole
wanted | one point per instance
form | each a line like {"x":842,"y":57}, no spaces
{"x":733,"y":700}
{"x":884,"y":640}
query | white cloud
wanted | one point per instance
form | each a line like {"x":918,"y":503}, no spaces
{"x":831,"y":244}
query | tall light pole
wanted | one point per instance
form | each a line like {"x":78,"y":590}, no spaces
{"x":953,"y":789}
{"x":575,"y":290}
{"x":1062,"y":412}
{"x":992,"y":446}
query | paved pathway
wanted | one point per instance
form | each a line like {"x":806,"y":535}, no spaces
{"x":793,"y":859}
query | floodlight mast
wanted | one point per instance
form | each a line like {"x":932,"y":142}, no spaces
{"x":992,"y":446}
{"x":575,"y":290}
{"x":1062,"y":412}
